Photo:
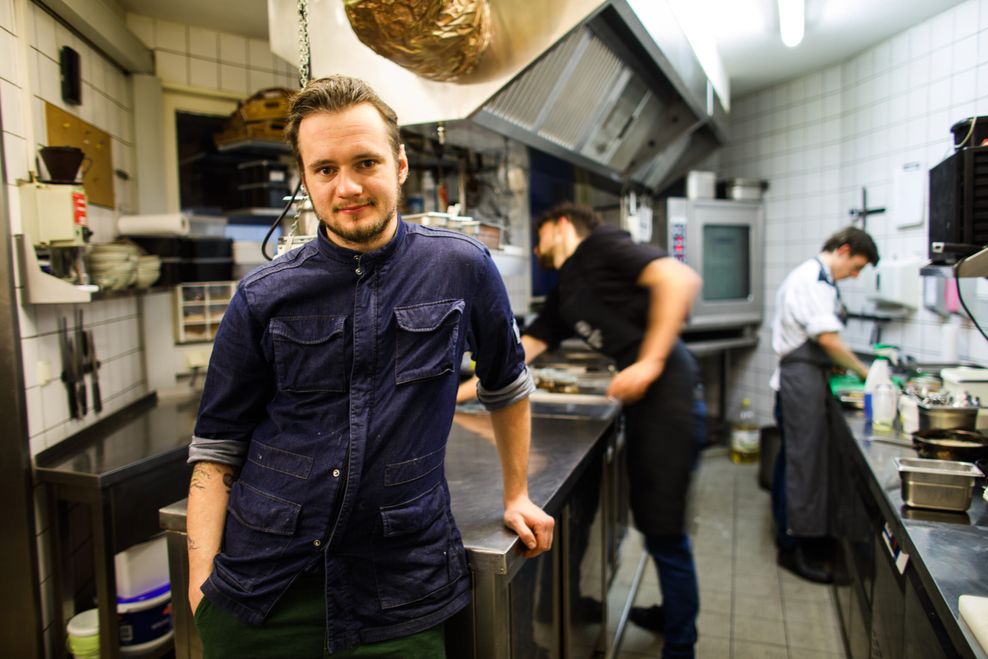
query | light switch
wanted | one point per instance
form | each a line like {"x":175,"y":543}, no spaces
{"x":43,"y":371}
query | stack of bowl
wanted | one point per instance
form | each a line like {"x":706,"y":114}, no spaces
{"x":148,"y":270}
{"x":113,"y":266}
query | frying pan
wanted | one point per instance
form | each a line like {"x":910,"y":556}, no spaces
{"x":951,"y":444}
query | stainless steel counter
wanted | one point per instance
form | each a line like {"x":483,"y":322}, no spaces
{"x":515,"y":601}
{"x":561,"y":448}
{"x":948,"y":551}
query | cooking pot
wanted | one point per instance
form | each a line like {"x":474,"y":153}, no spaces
{"x":951,"y":444}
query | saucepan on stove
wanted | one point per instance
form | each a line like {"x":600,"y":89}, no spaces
{"x":951,"y":444}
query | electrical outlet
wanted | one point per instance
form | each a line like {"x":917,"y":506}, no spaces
{"x":196,"y":359}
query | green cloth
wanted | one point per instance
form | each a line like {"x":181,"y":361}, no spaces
{"x":296,"y":630}
{"x":849,"y":382}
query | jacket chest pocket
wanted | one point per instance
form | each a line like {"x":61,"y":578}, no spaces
{"x":426,"y":339}
{"x":309,"y":353}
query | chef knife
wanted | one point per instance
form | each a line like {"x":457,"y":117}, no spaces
{"x":67,"y":364}
{"x":94,"y":369}
{"x":79,"y":363}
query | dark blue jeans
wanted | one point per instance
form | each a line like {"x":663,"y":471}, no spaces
{"x":783,"y":540}
{"x":673,"y":557}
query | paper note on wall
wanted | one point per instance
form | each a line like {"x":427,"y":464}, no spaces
{"x":909,"y":184}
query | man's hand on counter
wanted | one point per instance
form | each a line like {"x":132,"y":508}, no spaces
{"x":533,"y":526}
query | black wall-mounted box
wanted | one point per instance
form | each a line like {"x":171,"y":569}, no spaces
{"x":71,"y":71}
{"x":959,"y":205}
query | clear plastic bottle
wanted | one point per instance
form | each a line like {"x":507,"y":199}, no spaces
{"x":883,"y":406}
{"x":878,"y":373}
{"x":744,"y":435}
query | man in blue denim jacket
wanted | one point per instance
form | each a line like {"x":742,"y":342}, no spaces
{"x":319,"y":516}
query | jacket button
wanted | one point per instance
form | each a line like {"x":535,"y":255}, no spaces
{"x":317,"y":543}
{"x":359,"y":272}
{"x":336,"y":473}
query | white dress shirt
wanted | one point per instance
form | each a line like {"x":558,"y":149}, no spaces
{"x":806,"y":305}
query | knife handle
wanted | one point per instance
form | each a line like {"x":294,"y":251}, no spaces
{"x":97,"y":399}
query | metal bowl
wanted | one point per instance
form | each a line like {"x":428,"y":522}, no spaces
{"x":965,"y":418}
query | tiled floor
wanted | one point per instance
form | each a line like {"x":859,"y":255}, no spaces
{"x":749,"y":607}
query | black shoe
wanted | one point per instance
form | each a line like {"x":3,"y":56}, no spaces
{"x":796,"y":562}
{"x":651,"y":618}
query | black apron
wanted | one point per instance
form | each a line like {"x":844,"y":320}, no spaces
{"x":808,"y":412}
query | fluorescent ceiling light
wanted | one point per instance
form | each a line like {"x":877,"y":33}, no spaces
{"x":791,"y":21}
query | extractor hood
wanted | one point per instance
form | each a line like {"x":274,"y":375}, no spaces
{"x":585,"y":81}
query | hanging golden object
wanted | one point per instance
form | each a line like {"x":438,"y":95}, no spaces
{"x":437,"y":39}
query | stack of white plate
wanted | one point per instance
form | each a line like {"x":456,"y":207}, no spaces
{"x":113,"y":266}
{"x":148,"y":270}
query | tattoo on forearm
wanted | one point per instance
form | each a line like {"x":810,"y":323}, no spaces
{"x":200,"y":474}
{"x":193,"y":545}
{"x":203,"y":472}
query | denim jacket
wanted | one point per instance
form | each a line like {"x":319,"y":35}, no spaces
{"x":331,"y":386}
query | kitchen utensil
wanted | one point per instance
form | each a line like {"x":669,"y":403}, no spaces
{"x":79,"y":359}
{"x":94,"y":372}
{"x":69,"y":373}
{"x":951,"y":444}
{"x":937,"y":484}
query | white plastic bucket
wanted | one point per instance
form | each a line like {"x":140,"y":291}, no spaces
{"x":83,"y":635}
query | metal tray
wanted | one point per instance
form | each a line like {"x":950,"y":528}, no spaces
{"x":937,"y":484}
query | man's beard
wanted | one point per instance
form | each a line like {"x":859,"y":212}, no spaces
{"x":363,"y":234}
{"x":546,"y":261}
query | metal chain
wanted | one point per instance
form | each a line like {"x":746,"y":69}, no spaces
{"x":304,"y":53}
{"x":304,"y":59}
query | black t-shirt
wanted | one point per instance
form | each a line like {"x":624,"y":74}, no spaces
{"x":597,"y":297}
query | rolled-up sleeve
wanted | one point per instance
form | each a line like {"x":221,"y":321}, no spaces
{"x":496,"y":343}
{"x":239,"y":383}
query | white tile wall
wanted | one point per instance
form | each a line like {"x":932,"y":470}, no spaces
{"x":107,"y":103}
{"x":822,"y":137}
{"x":200,"y":57}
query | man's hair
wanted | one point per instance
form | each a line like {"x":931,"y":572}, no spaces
{"x":583,"y":218}
{"x":859,"y":242}
{"x":336,"y":94}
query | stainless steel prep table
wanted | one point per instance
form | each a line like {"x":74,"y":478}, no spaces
{"x":122,"y":469}
{"x":947,"y":555}
{"x":564,"y":448}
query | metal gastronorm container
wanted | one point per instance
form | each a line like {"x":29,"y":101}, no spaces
{"x":938,"y":484}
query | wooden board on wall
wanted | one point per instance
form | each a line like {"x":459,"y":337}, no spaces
{"x":66,"y":129}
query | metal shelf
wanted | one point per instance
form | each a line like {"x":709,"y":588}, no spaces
{"x":271,"y":147}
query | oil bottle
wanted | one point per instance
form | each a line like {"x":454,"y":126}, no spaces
{"x":744,"y":435}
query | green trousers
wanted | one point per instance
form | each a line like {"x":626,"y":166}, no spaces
{"x":296,"y":629}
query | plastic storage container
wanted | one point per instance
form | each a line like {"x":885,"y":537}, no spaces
{"x":146,"y":618}
{"x":142,"y":568}
{"x":83,"y":635}
{"x":973,"y":381}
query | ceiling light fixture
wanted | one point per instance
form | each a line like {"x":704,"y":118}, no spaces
{"x":791,"y":19}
